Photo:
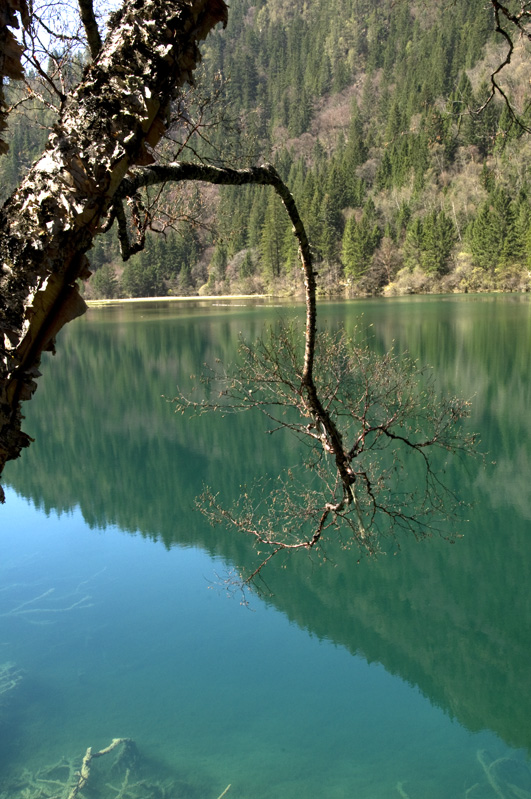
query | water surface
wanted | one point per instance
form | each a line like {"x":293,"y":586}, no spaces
{"x":404,"y":676}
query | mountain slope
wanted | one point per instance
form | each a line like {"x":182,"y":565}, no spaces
{"x":368,"y":110}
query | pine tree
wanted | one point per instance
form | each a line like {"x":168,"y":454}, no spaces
{"x":218,"y":264}
{"x":484,"y":237}
{"x":413,"y":244}
{"x":104,"y":283}
{"x":437,"y":240}
{"x":272,"y":240}
{"x":359,"y":243}
{"x":384,"y":175}
{"x":331,"y":219}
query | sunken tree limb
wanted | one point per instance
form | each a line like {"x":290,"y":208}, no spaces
{"x":48,"y":224}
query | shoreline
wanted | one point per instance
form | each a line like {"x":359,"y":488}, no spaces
{"x":210,"y":298}
{"x":184,"y":298}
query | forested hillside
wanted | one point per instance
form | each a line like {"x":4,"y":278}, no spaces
{"x":368,"y":109}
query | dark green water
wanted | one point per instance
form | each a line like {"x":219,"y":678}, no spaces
{"x":404,"y":676}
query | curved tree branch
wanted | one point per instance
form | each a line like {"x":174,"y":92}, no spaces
{"x":519,"y":21}
{"x":266,"y":175}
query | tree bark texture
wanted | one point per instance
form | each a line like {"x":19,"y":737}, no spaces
{"x":10,"y":54}
{"x":48,"y":224}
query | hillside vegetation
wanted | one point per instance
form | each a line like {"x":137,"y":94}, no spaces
{"x":368,"y":111}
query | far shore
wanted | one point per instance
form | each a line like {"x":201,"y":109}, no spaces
{"x":188,"y":298}
{"x":297,"y":298}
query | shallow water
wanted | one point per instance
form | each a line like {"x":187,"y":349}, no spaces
{"x":407,"y":676}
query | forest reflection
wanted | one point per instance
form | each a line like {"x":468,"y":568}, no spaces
{"x":449,"y":619}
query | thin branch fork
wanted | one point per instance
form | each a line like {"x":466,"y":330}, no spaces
{"x":518,"y":21}
{"x":275,"y":544}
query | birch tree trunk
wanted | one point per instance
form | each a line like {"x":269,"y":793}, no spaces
{"x":48,"y":224}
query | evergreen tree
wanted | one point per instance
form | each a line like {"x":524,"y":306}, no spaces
{"x":384,"y":175}
{"x":247,"y":266}
{"x":413,"y":244}
{"x":437,"y":240}
{"x":522,"y":223}
{"x":272,"y":244}
{"x":360,"y":240}
{"x":484,"y":237}
{"x":104,"y":283}
{"x":142,"y":280}
{"x":331,"y":223}
{"x":412,"y":86}
{"x":218,"y":264}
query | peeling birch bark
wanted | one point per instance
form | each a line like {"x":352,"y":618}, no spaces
{"x":50,"y":221}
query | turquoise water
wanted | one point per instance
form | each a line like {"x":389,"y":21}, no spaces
{"x":406,"y":676}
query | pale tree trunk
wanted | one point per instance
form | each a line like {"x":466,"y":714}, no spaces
{"x":50,"y":221}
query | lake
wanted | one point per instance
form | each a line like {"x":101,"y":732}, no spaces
{"x":405,"y":676}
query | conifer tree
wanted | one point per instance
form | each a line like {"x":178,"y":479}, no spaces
{"x":104,"y":284}
{"x":484,"y":237}
{"x":272,"y":240}
{"x":437,"y":240}
{"x":413,"y":242}
{"x":359,"y":243}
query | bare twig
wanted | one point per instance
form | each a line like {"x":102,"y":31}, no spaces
{"x":519,"y":22}
{"x":88,"y":19}
{"x":359,"y":413}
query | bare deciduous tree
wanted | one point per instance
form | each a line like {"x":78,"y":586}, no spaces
{"x":371,"y":423}
{"x":377,"y":437}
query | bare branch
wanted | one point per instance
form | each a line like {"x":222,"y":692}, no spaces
{"x":139,"y":219}
{"x":88,"y":19}
{"x":519,"y":21}
{"x":370,"y":438}
{"x":262,"y":175}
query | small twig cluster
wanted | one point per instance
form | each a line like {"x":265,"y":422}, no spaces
{"x":361,"y":415}
{"x":371,"y":426}
{"x":506,"y":22}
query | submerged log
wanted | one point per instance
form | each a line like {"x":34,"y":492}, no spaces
{"x":10,"y":677}
{"x":106,"y":126}
{"x":84,"y":772}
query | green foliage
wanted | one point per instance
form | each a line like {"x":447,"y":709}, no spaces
{"x":141,"y":278}
{"x":437,"y":241}
{"x":499,"y":233}
{"x":273,"y":241}
{"x":105,"y":283}
{"x":359,"y":243}
{"x":352,"y":100}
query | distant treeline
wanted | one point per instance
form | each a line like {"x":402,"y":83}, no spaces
{"x":368,"y":110}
